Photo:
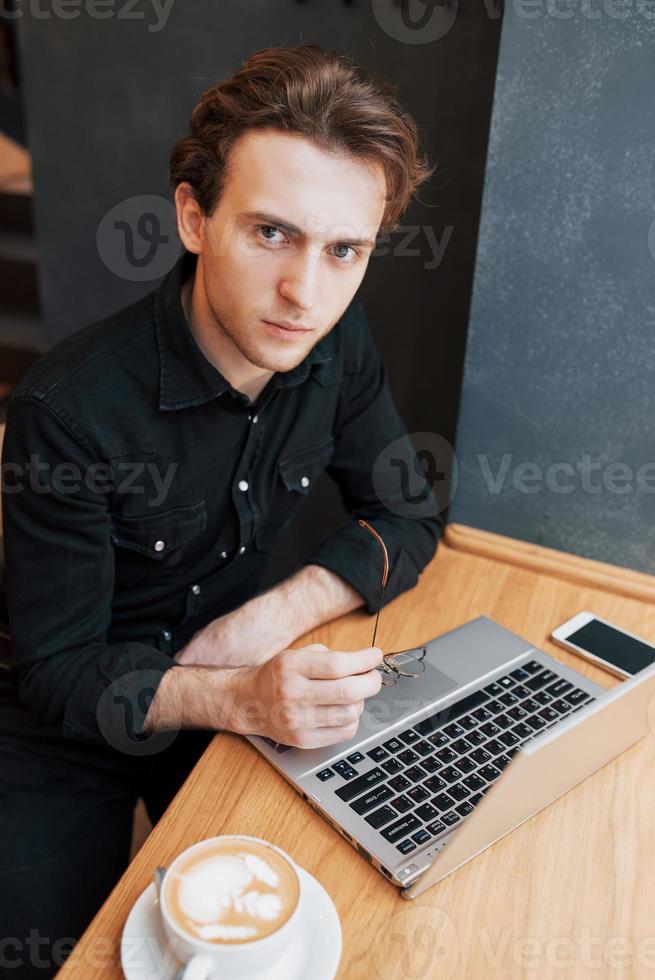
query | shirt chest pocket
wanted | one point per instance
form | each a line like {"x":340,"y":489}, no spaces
{"x":151,"y":545}
{"x":296,"y":475}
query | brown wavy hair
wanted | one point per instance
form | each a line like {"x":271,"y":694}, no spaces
{"x":316,"y":93}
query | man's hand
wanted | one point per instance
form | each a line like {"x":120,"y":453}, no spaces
{"x":309,"y":697}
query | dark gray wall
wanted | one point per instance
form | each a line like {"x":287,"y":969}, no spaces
{"x":106,"y":99}
{"x":560,"y":359}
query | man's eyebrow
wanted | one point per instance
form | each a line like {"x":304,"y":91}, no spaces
{"x":271,"y":219}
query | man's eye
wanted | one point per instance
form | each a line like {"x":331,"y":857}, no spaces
{"x":349,"y":254}
{"x":266,"y":229}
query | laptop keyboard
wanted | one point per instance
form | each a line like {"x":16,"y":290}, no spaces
{"x":416,"y":786}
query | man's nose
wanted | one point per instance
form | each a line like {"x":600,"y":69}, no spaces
{"x":300,"y":282}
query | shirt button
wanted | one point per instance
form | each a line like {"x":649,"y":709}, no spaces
{"x":304,"y":481}
{"x":242,"y":549}
{"x":223,"y":554}
{"x":255,"y":419}
{"x":166,"y":635}
{"x":195,"y":589}
{"x":243,"y":485}
{"x":159,"y":546}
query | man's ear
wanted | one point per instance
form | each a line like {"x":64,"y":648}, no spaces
{"x":190,"y":219}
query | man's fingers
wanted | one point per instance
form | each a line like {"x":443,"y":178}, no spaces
{"x":318,"y":738}
{"x":344,"y":690}
{"x":332,"y":664}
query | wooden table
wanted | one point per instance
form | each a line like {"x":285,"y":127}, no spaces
{"x":570,"y":893}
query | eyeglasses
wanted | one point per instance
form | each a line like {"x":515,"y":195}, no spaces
{"x":405,"y":663}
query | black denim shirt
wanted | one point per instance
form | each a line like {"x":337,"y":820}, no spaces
{"x":143,"y":494}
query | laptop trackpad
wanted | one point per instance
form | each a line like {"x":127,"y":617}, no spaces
{"x":407,"y":695}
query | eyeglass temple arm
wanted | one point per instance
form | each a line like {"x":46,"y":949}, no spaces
{"x":385,"y":571}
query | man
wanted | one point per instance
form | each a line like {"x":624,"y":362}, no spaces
{"x":150,"y":462}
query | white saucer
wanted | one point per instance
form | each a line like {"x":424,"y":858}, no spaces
{"x":315,"y":952}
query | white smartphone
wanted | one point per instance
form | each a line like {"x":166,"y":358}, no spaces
{"x":604,"y":644}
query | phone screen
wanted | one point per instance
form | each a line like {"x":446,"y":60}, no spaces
{"x":609,"y":644}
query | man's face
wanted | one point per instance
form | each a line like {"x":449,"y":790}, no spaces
{"x":288,"y":244}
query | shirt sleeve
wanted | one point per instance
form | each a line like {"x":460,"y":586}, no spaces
{"x":60,"y":580}
{"x":380,"y":478}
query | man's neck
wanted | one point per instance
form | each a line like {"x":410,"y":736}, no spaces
{"x":217,"y":346}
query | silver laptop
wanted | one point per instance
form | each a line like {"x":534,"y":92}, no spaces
{"x":445,"y":764}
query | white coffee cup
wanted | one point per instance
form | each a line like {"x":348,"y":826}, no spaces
{"x":206,"y":960}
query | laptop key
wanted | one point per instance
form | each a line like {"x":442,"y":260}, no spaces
{"x":495,"y":747}
{"x":530,"y":705}
{"x":407,"y":757}
{"x":476,"y":737}
{"x":392,"y":766}
{"x":502,"y":761}
{"x":549,"y":714}
{"x":520,"y":674}
{"x":399,"y":783}
{"x":489,"y":773}
{"x":464,"y":809}
{"x":542,"y":697}
{"x":379,"y":817}
{"x":360,"y":785}
{"x":415,"y":774}
{"x":458,"y":791}
{"x":436,"y":827}
{"x":560,"y":687}
{"x":443,"y":801}
{"x":439,"y":740}
{"x":418,"y":794}
{"x":406,"y":846}
{"x":344,"y":769}
{"x":576,"y":696}
{"x":451,"y":713}
{"x":450,"y":774}
{"x":402,"y":804}
{"x":480,"y":756}
{"x":494,"y":706}
{"x":406,"y":825}
{"x":325,"y":774}
{"x":355,"y":758}
{"x":461,"y":746}
{"x":474,"y":782}
{"x":452,"y":731}
{"x":540,"y":680}
{"x":520,"y":691}
{"x":426,"y":812}
{"x":505,"y":681}
{"x":517,"y":713}
{"x":508,"y":738}
{"x":481,"y":714}
{"x":532,"y":667}
{"x":465,"y":764}
{"x":489,"y":729}
{"x":493,"y":689}
{"x":467,"y":722}
{"x":475,"y":799}
{"x":421,"y":836}
{"x":503,"y":721}
{"x":536,"y":722}
{"x":378,"y":754}
{"x":370,"y":800}
{"x":393,"y":745}
{"x":446,"y":755}
{"x":561,"y":706}
{"x":508,"y":699}
{"x":431,"y":764}
{"x":423,"y":748}
{"x":409,"y":736}
{"x":522,"y":731}
{"x":450,"y":818}
{"x":434,"y":784}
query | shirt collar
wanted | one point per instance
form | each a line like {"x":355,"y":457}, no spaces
{"x":186,"y":377}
